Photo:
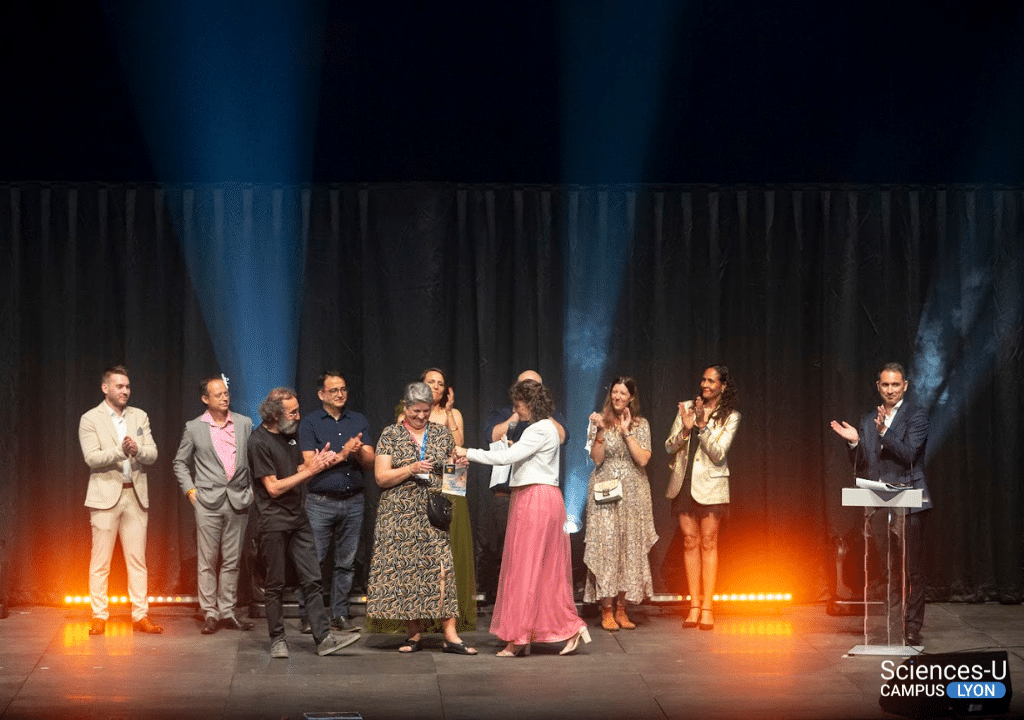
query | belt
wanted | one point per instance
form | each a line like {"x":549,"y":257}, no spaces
{"x":337,"y":494}
{"x":125,"y":486}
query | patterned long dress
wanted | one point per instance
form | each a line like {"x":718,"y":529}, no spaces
{"x":412,"y":574}
{"x":620,"y":535}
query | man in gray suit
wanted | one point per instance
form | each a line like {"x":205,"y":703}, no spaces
{"x":116,"y":443}
{"x":221,"y":493}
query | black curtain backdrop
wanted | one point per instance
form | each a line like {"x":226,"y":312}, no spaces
{"x":802,"y":290}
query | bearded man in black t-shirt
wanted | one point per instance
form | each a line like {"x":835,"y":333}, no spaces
{"x":279,"y":477}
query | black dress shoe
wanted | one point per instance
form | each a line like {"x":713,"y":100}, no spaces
{"x":913,"y":637}
{"x":233,"y":623}
{"x":209,"y":625}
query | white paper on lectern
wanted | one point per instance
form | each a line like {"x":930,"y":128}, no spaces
{"x":878,"y":485}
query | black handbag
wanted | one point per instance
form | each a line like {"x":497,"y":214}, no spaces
{"x":439,"y":510}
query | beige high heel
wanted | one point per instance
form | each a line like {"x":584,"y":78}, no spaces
{"x":574,"y":642}
{"x":512,"y":650}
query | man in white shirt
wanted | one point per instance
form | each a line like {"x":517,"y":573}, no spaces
{"x":116,"y":443}
{"x":890,"y":447}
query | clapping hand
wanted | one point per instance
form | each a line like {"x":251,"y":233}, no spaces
{"x":700,"y":413}
{"x":880,"y":420}
{"x":689,"y":416}
{"x":845,"y":430}
{"x":353,"y":446}
{"x":625,"y":420}
{"x":323,"y":459}
{"x":129,"y":447}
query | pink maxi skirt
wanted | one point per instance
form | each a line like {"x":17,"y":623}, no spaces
{"x":534,"y":602}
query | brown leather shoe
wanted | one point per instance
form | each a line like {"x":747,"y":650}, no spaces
{"x":620,"y":617}
{"x":98,"y":626}
{"x":147,"y":626}
{"x":607,"y":619}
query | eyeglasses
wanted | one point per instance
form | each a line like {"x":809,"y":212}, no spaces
{"x":337,"y":391}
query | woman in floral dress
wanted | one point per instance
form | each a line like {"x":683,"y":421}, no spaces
{"x":412,"y":575}
{"x":620,"y":534}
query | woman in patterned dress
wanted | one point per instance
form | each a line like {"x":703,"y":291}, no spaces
{"x":412,"y":575}
{"x":444,"y":412}
{"x":620,"y":534}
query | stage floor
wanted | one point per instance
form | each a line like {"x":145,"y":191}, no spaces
{"x":789,"y":664}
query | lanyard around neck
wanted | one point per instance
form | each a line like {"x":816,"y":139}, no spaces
{"x":423,"y":447}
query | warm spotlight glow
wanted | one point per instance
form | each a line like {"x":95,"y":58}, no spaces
{"x":756,"y":627}
{"x":124,"y":600}
{"x":748,"y":597}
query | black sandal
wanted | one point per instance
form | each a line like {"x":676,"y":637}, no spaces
{"x":457,"y":648}
{"x":413,"y":645}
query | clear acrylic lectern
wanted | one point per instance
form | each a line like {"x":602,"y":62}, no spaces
{"x":887,"y":512}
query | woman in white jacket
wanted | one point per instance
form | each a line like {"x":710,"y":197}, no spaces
{"x":700,"y":438}
{"x":534,"y":601}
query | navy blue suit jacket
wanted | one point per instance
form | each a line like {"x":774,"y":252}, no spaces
{"x":898,"y":456}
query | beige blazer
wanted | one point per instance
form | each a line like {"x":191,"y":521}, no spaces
{"x":709,"y":484}
{"x":104,"y":456}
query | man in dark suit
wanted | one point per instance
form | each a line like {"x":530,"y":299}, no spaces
{"x":221,"y":492}
{"x":116,"y":444}
{"x":889,"y":447}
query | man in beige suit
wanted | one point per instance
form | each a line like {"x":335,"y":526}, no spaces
{"x":116,"y":443}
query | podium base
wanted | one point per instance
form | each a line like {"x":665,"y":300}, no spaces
{"x":890,"y":650}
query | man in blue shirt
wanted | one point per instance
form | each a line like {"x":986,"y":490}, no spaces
{"x":334,"y":498}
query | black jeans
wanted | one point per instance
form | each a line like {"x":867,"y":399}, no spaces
{"x":278,"y":545}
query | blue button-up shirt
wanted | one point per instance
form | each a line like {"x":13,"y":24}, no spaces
{"x":316,"y":430}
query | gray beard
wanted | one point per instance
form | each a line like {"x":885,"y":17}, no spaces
{"x":287,"y":427}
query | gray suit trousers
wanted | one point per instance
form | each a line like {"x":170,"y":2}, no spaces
{"x":219,"y":532}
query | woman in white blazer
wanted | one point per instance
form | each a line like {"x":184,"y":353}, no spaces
{"x":700,"y":438}
{"x":534,"y":602}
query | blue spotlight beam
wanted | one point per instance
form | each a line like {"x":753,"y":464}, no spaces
{"x":226,"y":95}
{"x":612,"y":75}
{"x":963,"y":323}
{"x":247,"y":273}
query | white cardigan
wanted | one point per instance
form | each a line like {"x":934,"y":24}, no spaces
{"x":534,"y":457}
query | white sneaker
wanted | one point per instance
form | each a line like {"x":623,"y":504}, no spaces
{"x":332,"y":643}
{"x":279,"y":649}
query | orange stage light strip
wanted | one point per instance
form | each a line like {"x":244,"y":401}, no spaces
{"x":124,"y":600}
{"x":748,"y":597}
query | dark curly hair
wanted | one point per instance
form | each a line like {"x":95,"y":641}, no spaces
{"x":272,"y":408}
{"x":535,"y":396}
{"x":730,"y":395}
